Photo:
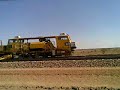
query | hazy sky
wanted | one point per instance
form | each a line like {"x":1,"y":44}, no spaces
{"x":90,"y":23}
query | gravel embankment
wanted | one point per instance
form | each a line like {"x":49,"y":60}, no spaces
{"x":61,"y":63}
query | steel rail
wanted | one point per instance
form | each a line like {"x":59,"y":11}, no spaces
{"x":88,"y":57}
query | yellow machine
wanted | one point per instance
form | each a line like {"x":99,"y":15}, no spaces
{"x":40,"y":46}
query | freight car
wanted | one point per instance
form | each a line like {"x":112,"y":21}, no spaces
{"x":35,"y":47}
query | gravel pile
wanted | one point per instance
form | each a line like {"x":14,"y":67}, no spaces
{"x":62,"y":63}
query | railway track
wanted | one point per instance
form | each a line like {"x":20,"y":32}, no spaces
{"x":88,"y":57}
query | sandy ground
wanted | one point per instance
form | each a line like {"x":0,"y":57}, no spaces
{"x":37,"y":78}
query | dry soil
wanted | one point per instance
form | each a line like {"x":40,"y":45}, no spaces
{"x":60,"y":78}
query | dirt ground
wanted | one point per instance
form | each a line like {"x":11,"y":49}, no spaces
{"x":62,"y":75}
{"x":83,"y":78}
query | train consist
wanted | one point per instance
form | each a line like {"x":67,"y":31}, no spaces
{"x":35,"y":47}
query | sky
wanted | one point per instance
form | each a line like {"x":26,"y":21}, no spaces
{"x":90,"y":23}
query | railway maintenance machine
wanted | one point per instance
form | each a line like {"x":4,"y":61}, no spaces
{"x":35,"y":47}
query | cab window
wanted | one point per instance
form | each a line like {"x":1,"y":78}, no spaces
{"x":63,"y":38}
{"x":10,"y":41}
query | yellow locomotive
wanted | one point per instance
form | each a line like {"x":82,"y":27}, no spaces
{"x":48,"y":46}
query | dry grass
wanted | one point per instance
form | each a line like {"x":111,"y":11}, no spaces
{"x":99,"y":51}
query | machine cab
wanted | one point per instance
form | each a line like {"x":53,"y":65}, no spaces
{"x":63,"y":44}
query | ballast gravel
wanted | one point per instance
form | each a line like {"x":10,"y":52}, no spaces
{"x":62,"y":63}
